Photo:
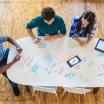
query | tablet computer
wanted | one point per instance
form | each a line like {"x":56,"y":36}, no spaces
{"x":73,"y":61}
{"x":100,"y":45}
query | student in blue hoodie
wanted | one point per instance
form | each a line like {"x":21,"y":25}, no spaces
{"x":83,"y":26}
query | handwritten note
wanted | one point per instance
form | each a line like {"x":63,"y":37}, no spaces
{"x":50,"y":69}
{"x":69,"y":75}
{"x":100,"y":70}
{"x":77,"y":67}
{"x":100,"y":55}
{"x":84,"y":59}
{"x":25,"y":60}
{"x":71,"y":44}
{"x":34,"y":68}
{"x":84,"y":77}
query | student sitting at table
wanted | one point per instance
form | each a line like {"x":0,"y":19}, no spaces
{"x":83,"y":26}
{"x":49,"y":25}
{"x":3,"y":60}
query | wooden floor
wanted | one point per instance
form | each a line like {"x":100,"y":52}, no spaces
{"x":14,"y":14}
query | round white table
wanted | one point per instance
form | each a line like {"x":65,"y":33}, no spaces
{"x":45,"y":64}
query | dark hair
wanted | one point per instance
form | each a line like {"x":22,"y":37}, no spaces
{"x":48,"y":13}
{"x":90,"y":17}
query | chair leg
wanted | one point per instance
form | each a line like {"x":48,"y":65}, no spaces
{"x":58,"y":99}
{"x":33,"y":94}
{"x":64,"y":95}
{"x":95,"y":90}
{"x":35,"y":97}
{"x":27,"y":88}
{"x":59,"y":91}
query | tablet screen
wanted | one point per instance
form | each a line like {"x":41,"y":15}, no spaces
{"x":100,"y":45}
{"x":73,"y":61}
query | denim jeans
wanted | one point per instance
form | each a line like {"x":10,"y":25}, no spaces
{"x":3,"y":63}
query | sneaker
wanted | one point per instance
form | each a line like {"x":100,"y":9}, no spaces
{"x":16,"y":91}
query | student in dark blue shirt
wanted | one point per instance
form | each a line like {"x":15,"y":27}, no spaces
{"x":3,"y":60}
{"x":83,"y":26}
{"x":49,"y":25}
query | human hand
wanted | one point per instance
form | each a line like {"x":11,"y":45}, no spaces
{"x":17,"y":58}
{"x":37,"y":40}
{"x":47,"y":37}
{"x":19,"y":49}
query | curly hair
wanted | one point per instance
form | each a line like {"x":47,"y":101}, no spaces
{"x":48,"y":13}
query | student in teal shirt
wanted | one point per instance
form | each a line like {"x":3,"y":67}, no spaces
{"x":49,"y":25}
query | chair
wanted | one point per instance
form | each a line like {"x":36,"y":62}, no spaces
{"x":47,"y":89}
{"x":78,"y":90}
